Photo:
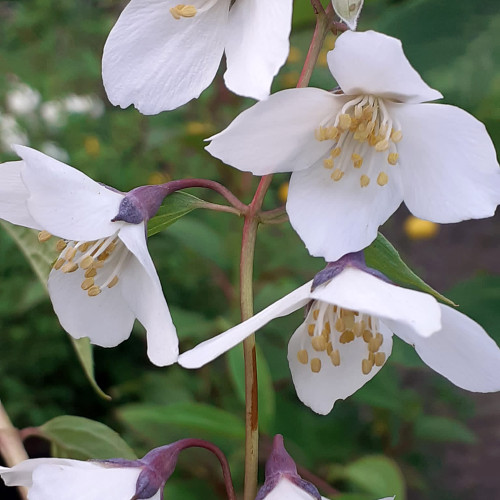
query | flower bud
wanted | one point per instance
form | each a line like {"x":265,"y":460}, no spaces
{"x":348,"y":11}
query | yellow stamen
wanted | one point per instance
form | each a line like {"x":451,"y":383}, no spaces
{"x":59,"y":263}
{"x":61,"y":245}
{"x":392,"y":159}
{"x":310,"y":330}
{"x":337,"y":174}
{"x":346,"y":337}
{"x":69,"y":267}
{"x":44,"y":236}
{"x":396,"y":135}
{"x":335,"y":152}
{"x":364,"y":180}
{"x":86,"y":262}
{"x":382,"y":145}
{"x":315,"y":314}
{"x":357,"y":160}
{"x":379,"y":358}
{"x":382,"y":179}
{"x":70,"y":253}
{"x":318,"y":343}
{"x":113,"y":282}
{"x":345,"y":121}
{"x":315,"y":365}
{"x":93,"y":291}
{"x":335,"y":357}
{"x":366,"y":366}
{"x":302,"y":356}
{"x":87,"y":283}
{"x":91,"y":272}
{"x":328,"y":163}
{"x":182,"y":10}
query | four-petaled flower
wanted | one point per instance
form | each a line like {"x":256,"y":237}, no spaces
{"x":104,"y":277}
{"x":160,"y":54}
{"x":347,"y":336}
{"x":355,"y":154}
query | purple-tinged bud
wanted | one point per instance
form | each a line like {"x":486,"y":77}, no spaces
{"x":280,"y":468}
{"x":354,"y":259}
{"x":141,"y":204}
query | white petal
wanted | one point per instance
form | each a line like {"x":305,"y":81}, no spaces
{"x":61,"y":482}
{"x":373,"y":63}
{"x":143,"y":293}
{"x":335,"y":218}
{"x":448,"y":163}
{"x":286,"y":490}
{"x":21,"y":474}
{"x":257,"y":45}
{"x":461,"y":351}
{"x":277,"y":135}
{"x":13,"y":196}
{"x":319,"y":391}
{"x":348,"y":11}
{"x":214,"y":347}
{"x":156,"y":62}
{"x":66,"y":202}
{"x":359,"y":291}
{"x":106,"y":318}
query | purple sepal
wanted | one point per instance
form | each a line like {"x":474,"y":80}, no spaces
{"x":280,"y":465}
{"x":140,"y":204}
{"x":355,"y":259}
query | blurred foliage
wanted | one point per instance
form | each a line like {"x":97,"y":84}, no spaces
{"x":55,"y":48}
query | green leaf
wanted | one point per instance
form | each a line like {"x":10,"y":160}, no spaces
{"x":172,"y":209}
{"x":41,"y":257}
{"x":82,"y":438}
{"x":442,"y":429}
{"x":377,"y":475}
{"x":383,"y":256}
{"x":267,"y":399}
{"x":166,"y":423}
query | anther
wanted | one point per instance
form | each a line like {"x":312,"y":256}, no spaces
{"x":335,"y":357}
{"x":382,"y":145}
{"x":315,"y":365}
{"x":59,"y":263}
{"x":315,"y":314}
{"x":328,"y":163}
{"x":392,"y":159}
{"x":335,"y":152}
{"x":379,"y":358}
{"x":90,"y":272}
{"x":337,"y":174}
{"x":87,"y":283}
{"x":61,"y":245}
{"x":113,"y":282}
{"x":182,"y":10}
{"x":366,"y":366}
{"x":357,"y":160}
{"x":302,"y":356}
{"x":345,"y":121}
{"x":364,"y":180}
{"x":44,"y":236}
{"x":339,"y":325}
{"x":69,"y":267}
{"x":382,"y":179}
{"x":346,"y":337}
{"x":348,"y":320}
{"x":86,"y":262}
{"x":310,"y":329}
{"x":70,"y":253}
{"x":318,"y":343}
{"x":93,"y":291}
{"x":396,"y":135}
{"x":367,"y":336}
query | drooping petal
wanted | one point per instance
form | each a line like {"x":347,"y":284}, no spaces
{"x":461,"y":351}
{"x":106,"y":318}
{"x":61,"y":482}
{"x":66,"y":202}
{"x":335,"y":218}
{"x":278,"y":134}
{"x":318,"y":382}
{"x":359,"y":291}
{"x":157,"y":62}
{"x":285,"y":489}
{"x":142,"y":291}
{"x":257,"y":45}
{"x":448,"y":163}
{"x":374,"y":63}
{"x":13,"y":196}
{"x":214,"y":347}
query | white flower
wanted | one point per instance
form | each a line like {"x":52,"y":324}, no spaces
{"x":104,"y":277}
{"x":11,"y":133}
{"x":348,"y":11}
{"x":64,"y":479}
{"x":22,"y":99}
{"x":160,"y":54}
{"x":356,"y":155}
{"x":347,"y":337}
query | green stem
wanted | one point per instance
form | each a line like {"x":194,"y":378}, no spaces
{"x":252,"y":219}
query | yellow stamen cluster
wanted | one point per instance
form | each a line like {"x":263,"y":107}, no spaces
{"x":182,"y":10}
{"x":362,"y":128}
{"x":89,"y":256}
{"x":329,"y":328}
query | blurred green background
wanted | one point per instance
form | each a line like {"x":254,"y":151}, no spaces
{"x":408,"y":431}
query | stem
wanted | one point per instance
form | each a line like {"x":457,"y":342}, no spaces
{"x":11,"y":446}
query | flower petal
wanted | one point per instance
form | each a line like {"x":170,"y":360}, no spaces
{"x":448,"y":163}
{"x":156,"y":62}
{"x":13,"y":196}
{"x":66,"y":202}
{"x":60,"y":482}
{"x":285,"y":489}
{"x":106,"y":318}
{"x":277,"y":135}
{"x":359,"y":291}
{"x":142,"y":290}
{"x":373,"y":63}
{"x":461,"y":351}
{"x":319,"y":390}
{"x":257,"y":45}
{"x":214,"y":347}
{"x":335,"y":218}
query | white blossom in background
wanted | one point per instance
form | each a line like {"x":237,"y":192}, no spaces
{"x":161,"y":54}
{"x":356,"y":154}
{"x":54,"y":150}
{"x":84,"y":105}
{"x":104,"y":277}
{"x":22,"y":99}
{"x":347,"y":337}
{"x":348,"y":11}
{"x":11,"y":133}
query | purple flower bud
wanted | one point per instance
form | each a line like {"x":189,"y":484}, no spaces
{"x":141,"y":204}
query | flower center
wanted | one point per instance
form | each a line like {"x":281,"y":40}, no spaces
{"x":330,"y":329}
{"x":100,"y":261}
{"x":360,"y":131}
